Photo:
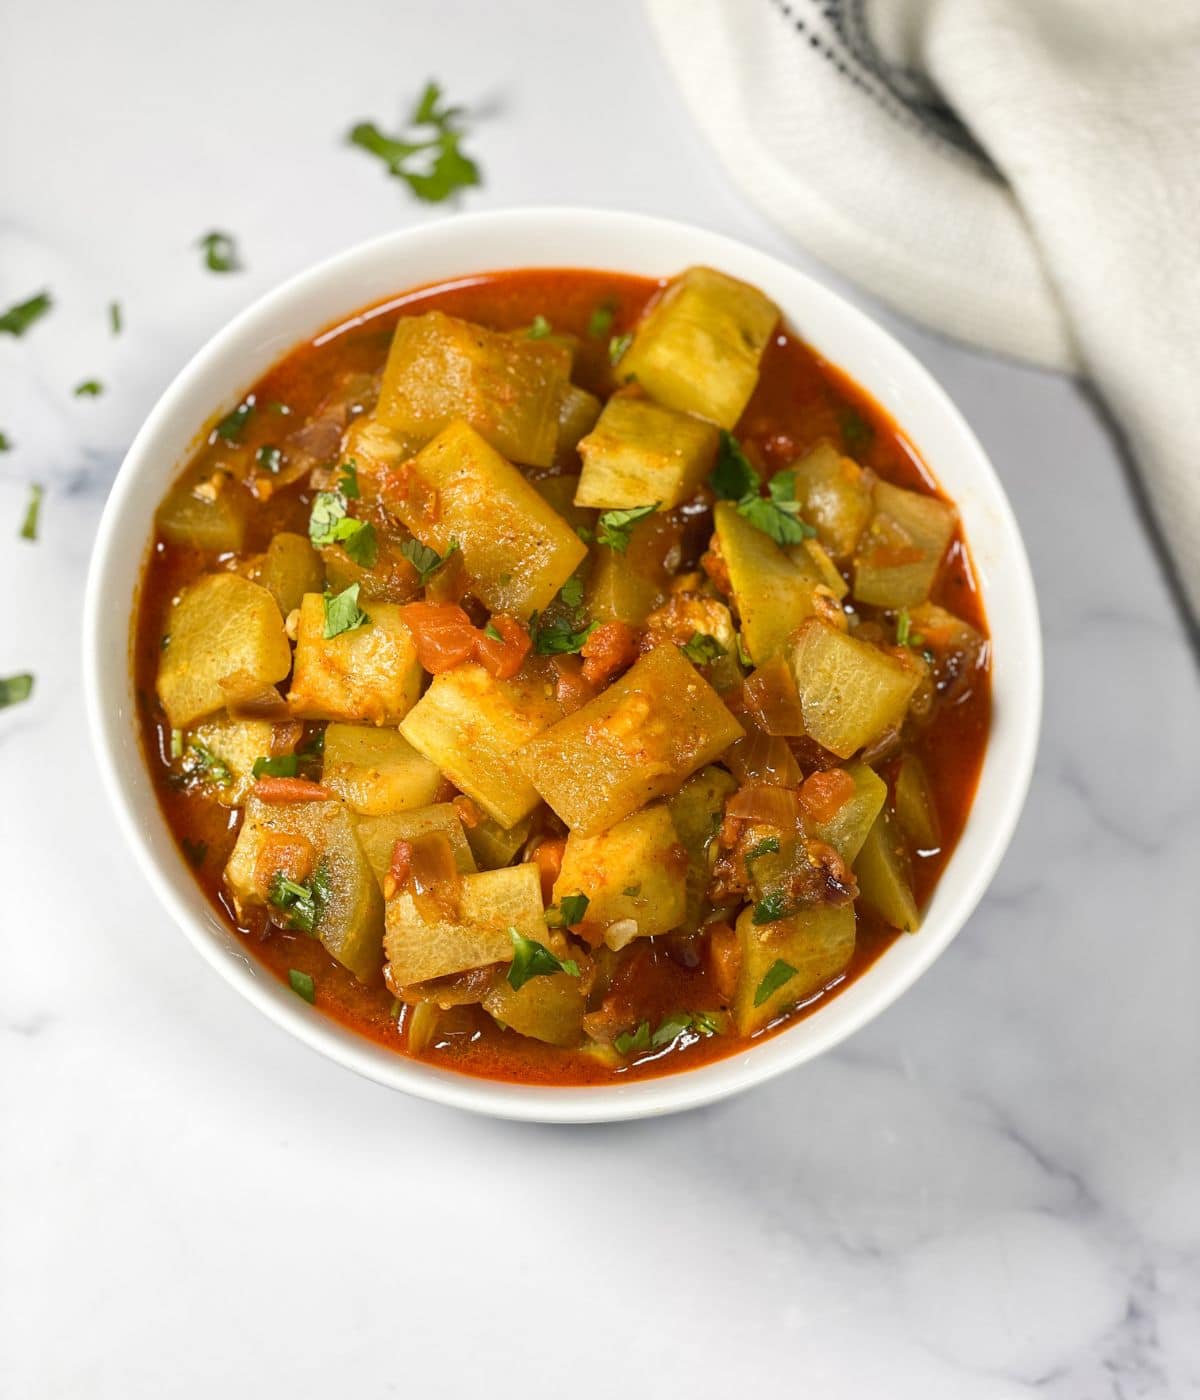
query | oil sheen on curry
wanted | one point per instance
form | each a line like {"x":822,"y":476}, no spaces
{"x":560,"y":675}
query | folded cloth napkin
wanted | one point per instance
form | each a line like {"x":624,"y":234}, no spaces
{"x":1021,"y":174}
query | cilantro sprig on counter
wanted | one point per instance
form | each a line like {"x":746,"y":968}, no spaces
{"x":428,"y":156}
{"x":18,"y":319}
{"x":220,"y":252}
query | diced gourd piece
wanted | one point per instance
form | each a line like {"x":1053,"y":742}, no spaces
{"x":884,"y":875}
{"x":773,"y":596}
{"x":208,"y":509}
{"x":815,"y":946}
{"x":377,"y":770}
{"x":627,"y":587}
{"x":378,"y":835}
{"x":812,"y":559}
{"x":916,"y":809}
{"x":291,"y":569}
{"x":473,"y":727}
{"x":640,"y":452}
{"x":699,"y":347}
{"x":369,"y":673}
{"x":577,"y":414}
{"x":634,"y":870}
{"x":489,"y":904}
{"x":559,"y":493}
{"x":835,"y":496}
{"x":375,"y":448}
{"x":899,"y":554}
{"x":517,"y":550}
{"x":847,"y":829}
{"x":221,"y":627}
{"x":549,"y":1009}
{"x":494,"y":845}
{"x":850,"y":691}
{"x":696,"y":810}
{"x":350,"y":920}
{"x":236,"y":743}
{"x":638,"y":740}
{"x":441,"y":370}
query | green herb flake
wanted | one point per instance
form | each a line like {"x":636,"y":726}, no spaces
{"x":430,"y":161}
{"x":778,"y":513}
{"x":314,"y":746}
{"x":568,"y":912}
{"x":905,"y":636}
{"x":329,"y":524}
{"x":208,"y":765}
{"x":220,"y":252}
{"x":558,"y":638}
{"x":539,"y":330}
{"x":14,"y":689}
{"x":229,"y":429}
{"x":733,"y":477}
{"x":770,"y":909}
{"x":618,"y":345}
{"x":743,"y":655}
{"x":88,"y":389}
{"x":195,"y":851}
{"x":17,"y":319}
{"x":492,"y":631}
{"x":5,"y":443}
{"x":534,"y":959}
{"x":426,"y":561}
{"x":115,"y":320}
{"x":616,"y":526}
{"x":303,"y":985}
{"x":572,"y":591}
{"x":600,"y":322}
{"x":284,"y":765}
{"x":671,"y":1029}
{"x":348,"y":481}
{"x":269,"y":458}
{"x":342,"y":613}
{"x":302,"y":903}
{"x":703,"y":650}
{"x":857,"y":432}
{"x":29,"y":526}
{"x":769,"y":845}
{"x":629,"y":1041}
{"x":777,"y":975}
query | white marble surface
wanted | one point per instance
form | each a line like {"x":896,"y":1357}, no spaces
{"x":992,"y":1193}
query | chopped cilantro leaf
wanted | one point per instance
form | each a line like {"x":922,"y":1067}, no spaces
{"x":558,"y":638}
{"x":29,"y":526}
{"x":284,"y":765}
{"x":534,"y":959}
{"x":568,"y":912}
{"x":17,"y":319}
{"x":348,"y":481}
{"x":492,"y":631}
{"x":572,"y":591}
{"x":616,"y":526}
{"x":618,"y":345}
{"x":426,"y":561}
{"x":770,"y":908}
{"x":5,"y":443}
{"x":633,"y":1040}
{"x":196,"y":851}
{"x":540,"y":328}
{"x":777,"y":975}
{"x":208,"y":765}
{"x":778,"y":518}
{"x":329,"y":524}
{"x":769,"y":845}
{"x":114,"y":317}
{"x":432,"y":164}
{"x":230,"y":427}
{"x":303,"y":985}
{"x":733,"y":477}
{"x":776,"y":514}
{"x":905,"y":636}
{"x":342,"y":613}
{"x":600,"y":321}
{"x":269,"y":458}
{"x":89,"y":389}
{"x":220,"y":252}
{"x":14,"y":689}
{"x":671,"y":1029}
{"x":302,"y":903}
{"x":857,"y":433}
{"x":702,"y":650}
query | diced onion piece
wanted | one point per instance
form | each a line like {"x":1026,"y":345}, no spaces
{"x":760,"y":802}
{"x":763,"y":758}
{"x":771,"y":698}
{"x":434,"y":878}
{"x":617,"y":935}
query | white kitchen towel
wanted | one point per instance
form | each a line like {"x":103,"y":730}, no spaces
{"x":1021,"y":174}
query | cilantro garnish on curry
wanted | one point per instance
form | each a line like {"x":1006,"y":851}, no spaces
{"x":561,"y":675}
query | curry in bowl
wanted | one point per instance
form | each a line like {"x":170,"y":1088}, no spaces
{"x":560,"y":675}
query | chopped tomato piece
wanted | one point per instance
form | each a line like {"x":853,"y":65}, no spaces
{"x":503,"y":658}
{"x":611,"y":648}
{"x":571,"y":689}
{"x":443,"y":634}
{"x":290,"y":790}
{"x":548,"y":857}
{"x":824,"y":794}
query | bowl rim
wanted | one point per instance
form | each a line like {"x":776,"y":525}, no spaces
{"x":548,"y":230}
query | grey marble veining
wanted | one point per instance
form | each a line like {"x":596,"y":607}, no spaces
{"x":992,"y":1193}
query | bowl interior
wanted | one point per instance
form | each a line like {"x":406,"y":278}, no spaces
{"x":222,"y":371}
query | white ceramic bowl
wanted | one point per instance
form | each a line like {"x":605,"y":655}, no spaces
{"x":585,"y":238}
